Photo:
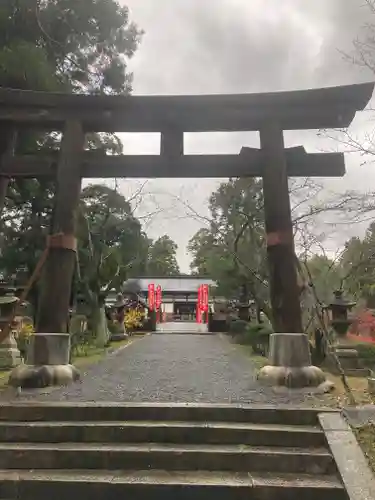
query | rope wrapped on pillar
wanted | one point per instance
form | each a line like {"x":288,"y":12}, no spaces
{"x":61,"y":240}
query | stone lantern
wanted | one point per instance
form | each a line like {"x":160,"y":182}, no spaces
{"x":9,"y":353}
{"x":243,"y":304}
{"x":119,"y":307}
{"x":339,"y":318}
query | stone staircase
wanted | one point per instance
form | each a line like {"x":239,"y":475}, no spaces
{"x":182,"y":452}
{"x":182,"y":327}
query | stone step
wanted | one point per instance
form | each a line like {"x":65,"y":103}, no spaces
{"x":352,"y":372}
{"x":94,"y":412}
{"x":162,"y":432}
{"x":184,"y":332}
{"x":156,"y":484}
{"x":357,"y":372}
{"x":236,"y":458}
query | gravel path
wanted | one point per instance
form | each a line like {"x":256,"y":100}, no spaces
{"x":172,"y":368}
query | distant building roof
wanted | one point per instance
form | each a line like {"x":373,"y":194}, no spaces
{"x":182,"y":283}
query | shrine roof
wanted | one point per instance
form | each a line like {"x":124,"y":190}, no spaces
{"x":188,"y":284}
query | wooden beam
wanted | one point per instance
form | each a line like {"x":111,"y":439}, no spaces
{"x":294,"y":110}
{"x":191,"y":119}
{"x":247,"y":164}
{"x":354,"y":94}
{"x":172,"y":144}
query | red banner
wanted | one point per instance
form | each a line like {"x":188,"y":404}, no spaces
{"x":151,"y":296}
{"x":199,"y":305}
{"x":205,"y":298}
{"x":158,"y":297}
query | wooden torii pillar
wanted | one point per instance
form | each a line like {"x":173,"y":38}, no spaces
{"x":61,"y":260}
{"x":289,"y":358}
{"x":284,"y":290}
{"x":8,"y":137}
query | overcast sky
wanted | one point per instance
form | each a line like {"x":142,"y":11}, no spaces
{"x":229,"y":46}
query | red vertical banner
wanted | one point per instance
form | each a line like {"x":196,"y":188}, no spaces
{"x":151,"y":296}
{"x":158,"y":301}
{"x":205,"y":298}
{"x":199,"y":305}
{"x":205,"y":302}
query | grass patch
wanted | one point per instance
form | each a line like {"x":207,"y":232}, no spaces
{"x":257,"y":360}
{"x":91,"y":354}
{"x":84,"y":358}
{"x":338,"y":398}
{"x":366,"y":438}
{"x":4,"y":376}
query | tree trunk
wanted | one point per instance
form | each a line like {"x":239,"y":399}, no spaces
{"x":100,"y":327}
{"x":260,"y":303}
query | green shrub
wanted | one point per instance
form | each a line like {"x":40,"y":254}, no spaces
{"x":114,"y":327}
{"x":258,"y":336}
{"x":255,"y":335}
{"x":80,"y":343}
{"x":366,"y":351}
{"x":255,"y":328}
{"x":238,"y":327}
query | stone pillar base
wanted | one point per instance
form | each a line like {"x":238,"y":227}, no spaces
{"x":37,"y":377}
{"x":290,"y":364}
{"x":47,"y":363}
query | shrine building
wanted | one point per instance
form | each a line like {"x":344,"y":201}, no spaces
{"x":179,"y":294}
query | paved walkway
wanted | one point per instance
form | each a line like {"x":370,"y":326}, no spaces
{"x":172,"y":368}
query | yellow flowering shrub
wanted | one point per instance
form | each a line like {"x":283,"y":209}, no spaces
{"x":133,"y":319}
{"x":23,"y":337}
{"x":27,"y":330}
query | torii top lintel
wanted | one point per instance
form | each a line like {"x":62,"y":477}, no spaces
{"x":331,"y":107}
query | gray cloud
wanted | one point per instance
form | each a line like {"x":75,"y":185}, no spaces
{"x":195,"y":46}
{"x":236,"y":46}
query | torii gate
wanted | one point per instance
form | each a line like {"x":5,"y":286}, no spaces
{"x":269,"y":113}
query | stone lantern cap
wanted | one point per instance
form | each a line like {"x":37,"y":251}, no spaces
{"x":120,"y":301}
{"x":8,"y":298}
{"x":340,"y":301}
